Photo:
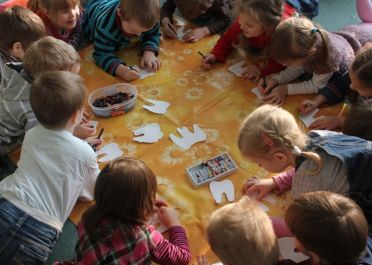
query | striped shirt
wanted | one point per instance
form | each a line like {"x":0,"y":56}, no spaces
{"x":16,"y":115}
{"x":101,"y":25}
{"x":131,"y":244}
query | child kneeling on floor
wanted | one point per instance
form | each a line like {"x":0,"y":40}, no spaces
{"x":55,"y":169}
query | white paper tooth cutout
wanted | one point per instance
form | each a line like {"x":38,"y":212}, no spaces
{"x":258,"y":93}
{"x":237,"y":68}
{"x":143,"y":72}
{"x":188,"y":138}
{"x":181,"y":32}
{"x":286,"y":249}
{"x":309,"y":118}
{"x":150,"y":133}
{"x":112,"y":151}
{"x":218,"y":188}
{"x":159,"y":107}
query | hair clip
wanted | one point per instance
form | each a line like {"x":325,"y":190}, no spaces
{"x":296,"y":150}
{"x":313,"y":30}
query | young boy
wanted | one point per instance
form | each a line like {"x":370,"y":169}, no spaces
{"x":19,"y":28}
{"x":111,"y":24}
{"x":55,"y":169}
{"x":16,"y":115}
{"x":241,"y":233}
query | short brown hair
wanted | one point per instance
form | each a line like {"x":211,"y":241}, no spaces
{"x":55,"y":96}
{"x":125,"y":190}
{"x":362,"y":66}
{"x":241,"y":233}
{"x":357,"y":122}
{"x":51,"y":5}
{"x":329,"y":225}
{"x":144,"y":12}
{"x":19,"y":24}
{"x":192,"y":8}
{"x":49,"y":54}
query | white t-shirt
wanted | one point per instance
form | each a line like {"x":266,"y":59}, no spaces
{"x":54,"y":170}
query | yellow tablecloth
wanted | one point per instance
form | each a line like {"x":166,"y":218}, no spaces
{"x":216,"y":100}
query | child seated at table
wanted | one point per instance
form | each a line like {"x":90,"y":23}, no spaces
{"x":251,"y":34}
{"x":16,"y":114}
{"x":241,"y":233}
{"x":213,"y":15}
{"x":112,"y":24}
{"x":61,"y":18}
{"x":115,"y":229}
{"x":20,"y":27}
{"x":55,"y":169}
{"x":330,"y":229}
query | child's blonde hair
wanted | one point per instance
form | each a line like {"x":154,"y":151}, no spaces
{"x":330,"y":225}
{"x":51,"y":5}
{"x":145,"y":12}
{"x":241,"y":233}
{"x":271,"y":128}
{"x":49,"y":54}
{"x":19,"y":24}
{"x":297,"y":36}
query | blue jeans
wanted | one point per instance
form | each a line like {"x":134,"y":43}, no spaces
{"x":24,"y":240}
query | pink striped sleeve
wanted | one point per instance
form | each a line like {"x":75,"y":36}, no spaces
{"x":176,"y":251}
{"x":284,"y":180}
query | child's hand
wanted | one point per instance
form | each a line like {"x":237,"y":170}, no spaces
{"x":308,"y":106}
{"x":127,"y":73}
{"x":196,"y":34}
{"x":252,"y":72}
{"x":83,"y":131}
{"x":168,"y":216}
{"x":94,"y":142}
{"x":86,"y":116}
{"x":262,"y":186}
{"x":201,"y":260}
{"x":270,"y":84}
{"x":208,"y":61}
{"x":277,"y":95}
{"x":169,"y":30}
{"x":149,"y":60}
{"x":160,"y":203}
{"x":327,"y":123}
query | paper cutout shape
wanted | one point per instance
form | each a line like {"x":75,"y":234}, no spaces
{"x":155,"y":221}
{"x":309,"y":118}
{"x":268,"y":198}
{"x":159,"y":107}
{"x":217,"y":188}
{"x":143,"y":72}
{"x":93,"y":124}
{"x":258,"y":93}
{"x":181,"y":32}
{"x":218,"y":263}
{"x":286,"y":249}
{"x":150,"y":133}
{"x":237,"y":68}
{"x":188,"y":138}
{"x":112,"y":152}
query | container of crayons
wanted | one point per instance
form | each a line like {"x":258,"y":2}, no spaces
{"x":213,"y":169}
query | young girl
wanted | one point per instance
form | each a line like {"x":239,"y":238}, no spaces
{"x":321,"y":160}
{"x":214,"y":14}
{"x":61,"y":18}
{"x":114,"y":228}
{"x":251,"y":32}
{"x":324,"y":54}
{"x":330,"y":229}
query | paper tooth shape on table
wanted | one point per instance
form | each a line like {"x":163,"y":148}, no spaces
{"x":286,"y":249}
{"x":112,"y":151}
{"x":268,"y":198}
{"x":93,"y":124}
{"x":258,"y":93}
{"x":181,"y":32}
{"x":217,"y":188}
{"x":143,"y":72}
{"x":237,"y":68}
{"x":188,"y":138}
{"x":155,"y":221}
{"x":150,"y":133}
{"x":159,"y":107}
{"x":308,"y":119}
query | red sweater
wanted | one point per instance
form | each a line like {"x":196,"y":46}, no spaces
{"x":229,"y":39}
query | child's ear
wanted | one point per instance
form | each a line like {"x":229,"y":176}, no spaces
{"x":313,"y":50}
{"x":17,"y":50}
{"x":280,"y":156}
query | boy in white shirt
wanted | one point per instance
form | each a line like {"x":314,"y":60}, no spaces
{"x":55,"y":169}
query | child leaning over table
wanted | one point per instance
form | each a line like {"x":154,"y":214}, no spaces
{"x":112,"y":24}
{"x":23,"y":27}
{"x":55,"y":169}
{"x":16,"y":114}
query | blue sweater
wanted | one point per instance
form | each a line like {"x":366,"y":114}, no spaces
{"x":100,"y":26}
